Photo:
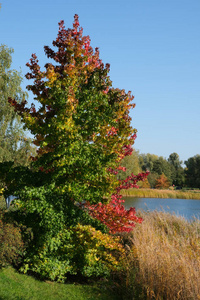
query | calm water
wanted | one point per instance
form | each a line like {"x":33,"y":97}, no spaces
{"x":182,"y":207}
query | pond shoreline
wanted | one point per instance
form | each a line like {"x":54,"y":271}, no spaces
{"x":155,"y":193}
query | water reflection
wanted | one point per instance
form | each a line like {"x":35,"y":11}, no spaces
{"x":182,"y":207}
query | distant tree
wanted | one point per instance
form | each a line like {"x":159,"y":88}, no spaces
{"x":14,"y":144}
{"x":147,"y":161}
{"x":130,"y":164}
{"x":162,"y":166}
{"x":177,"y":170}
{"x":192,"y":171}
{"x":156,"y":165}
{"x":174,"y":160}
{"x":162,"y":182}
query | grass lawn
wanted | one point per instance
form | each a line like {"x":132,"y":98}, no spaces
{"x":15,"y":286}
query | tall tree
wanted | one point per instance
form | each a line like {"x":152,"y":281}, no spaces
{"x":83,"y":130}
{"x":14,"y":145}
{"x":147,"y":161}
{"x":193,"y":171}
{"x":177,"y":170}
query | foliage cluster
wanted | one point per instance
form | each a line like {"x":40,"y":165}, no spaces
{"x":114,"y":215}
{"x":80,"y":250}
{"x":63,"y":244}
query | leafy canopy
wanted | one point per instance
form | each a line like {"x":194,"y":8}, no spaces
{"x":82,"y":127}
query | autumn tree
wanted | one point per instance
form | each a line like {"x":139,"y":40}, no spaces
{"x":162,"y":182}
{"x":82,"y":130}
{"x":82,"y":126}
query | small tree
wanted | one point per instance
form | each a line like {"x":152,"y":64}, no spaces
{"x":177,"y":170}
{"x":162,"y":182}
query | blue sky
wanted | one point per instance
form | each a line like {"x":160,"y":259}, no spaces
{"x":153,"y":48}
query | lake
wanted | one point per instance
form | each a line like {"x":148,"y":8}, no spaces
{"x":181,"y":207}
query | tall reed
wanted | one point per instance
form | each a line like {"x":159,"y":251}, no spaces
{"x":154,"y":193}
{"x":163,"y":258}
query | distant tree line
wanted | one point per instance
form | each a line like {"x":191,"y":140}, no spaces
{"x":163,"y":172}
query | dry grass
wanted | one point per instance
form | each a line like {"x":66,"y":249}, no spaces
{"x":154,"y":193}
{"x":165,"y":258}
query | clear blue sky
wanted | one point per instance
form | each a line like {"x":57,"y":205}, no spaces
{"x":153,"y":48}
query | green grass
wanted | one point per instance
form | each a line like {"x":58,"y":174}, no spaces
{"x":15,"y":286}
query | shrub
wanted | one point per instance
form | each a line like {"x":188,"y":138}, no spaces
{"x":11,"y":244}
{"x":70,"y":242}
{"x":80,"y":250}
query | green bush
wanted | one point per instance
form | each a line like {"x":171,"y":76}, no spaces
{"x":65,"y":239}
{"x":79,"y":250}
{"x":11,"y":243}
